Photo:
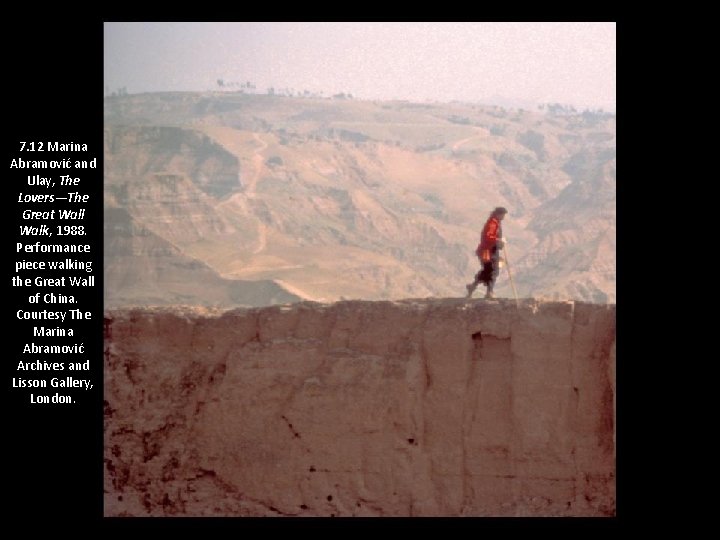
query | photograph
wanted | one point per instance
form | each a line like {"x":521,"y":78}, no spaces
{"x":358,"y":269}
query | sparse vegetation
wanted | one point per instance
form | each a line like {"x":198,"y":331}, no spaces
{"x":497,"y":112}
{"x":464,"y":120}
{"x":593,"y":118}
{"x":416,"y":178}
{"x":533,"y":140}
{"x":429,"y":147}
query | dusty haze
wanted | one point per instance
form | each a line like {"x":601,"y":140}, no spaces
{"x":494,"y":62}
{"x":232,"y":199}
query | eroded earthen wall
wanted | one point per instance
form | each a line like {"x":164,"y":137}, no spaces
{"x":415,"y":408}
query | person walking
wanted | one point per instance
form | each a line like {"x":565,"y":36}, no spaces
{"x":488,"y":251}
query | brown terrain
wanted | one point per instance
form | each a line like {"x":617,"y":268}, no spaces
{"x":408,"y":408}
{"x":285,"y":333}
{"x":227,"y":199}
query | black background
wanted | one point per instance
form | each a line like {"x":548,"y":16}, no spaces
{"x":54,"y":453}
{"x":54,"y":92}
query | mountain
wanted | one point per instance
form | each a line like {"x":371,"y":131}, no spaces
{"x":326,"y":199}
{"x":142,"y":268}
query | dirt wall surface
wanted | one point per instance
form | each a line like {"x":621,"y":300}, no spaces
{"x":408,"y":408}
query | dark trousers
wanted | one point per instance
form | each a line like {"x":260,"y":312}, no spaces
{"x":490,"y":270}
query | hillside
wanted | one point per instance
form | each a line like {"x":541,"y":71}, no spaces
{"x":328,"y":199}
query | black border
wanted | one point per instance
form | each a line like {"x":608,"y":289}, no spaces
{"x":54,"y":93}
{"x":54,"y":90}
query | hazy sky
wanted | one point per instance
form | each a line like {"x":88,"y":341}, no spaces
{"x":570,"y":63}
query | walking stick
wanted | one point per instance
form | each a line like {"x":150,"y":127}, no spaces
{"x":512,"y":283}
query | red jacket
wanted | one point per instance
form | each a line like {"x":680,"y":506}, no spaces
{"x":490,"y":234}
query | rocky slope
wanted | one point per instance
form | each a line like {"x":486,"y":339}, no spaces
{"x":411,"y":408}
{"x":333,"y":199}
{"x":142,"y":268}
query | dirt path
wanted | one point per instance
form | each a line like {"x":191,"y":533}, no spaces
{"x":296,"y":291}
{"x":459,"y":143}
{"x":478,"y":133}
{"x":262,"y":238}
{"x":258,"y":161}
{"x":231,"y":141}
